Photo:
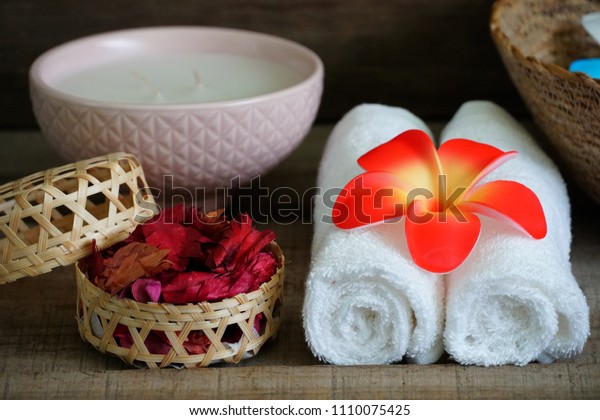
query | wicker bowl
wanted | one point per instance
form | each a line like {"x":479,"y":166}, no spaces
{"x":537,"y":40}
{"x":99,"y":315}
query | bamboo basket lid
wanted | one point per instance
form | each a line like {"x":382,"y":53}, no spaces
{"x":49,"y":219}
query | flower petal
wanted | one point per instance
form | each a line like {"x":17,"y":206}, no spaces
{"x":510,"y":202}
{"x":465,"y":162}
{"x":440,"y":242}
{"x":146,"y":290}
{"x":411,"y":155}
{"x":370,"y":197}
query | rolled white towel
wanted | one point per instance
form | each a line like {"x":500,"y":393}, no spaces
{"x":515,"y":300}
{"x":366,"y":302}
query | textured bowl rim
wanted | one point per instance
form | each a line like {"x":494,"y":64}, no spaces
{"x":37,"y":82}
{"x":503,"y":41}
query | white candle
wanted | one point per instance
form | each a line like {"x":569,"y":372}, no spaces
{"x":172,"y":78}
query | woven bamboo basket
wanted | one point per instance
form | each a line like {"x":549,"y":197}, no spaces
{"x":49,"y":219}
{"x":537,"y":40}
{"x":99,"y":315}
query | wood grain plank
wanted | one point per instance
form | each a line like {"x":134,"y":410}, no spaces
{"x":398,"y":382}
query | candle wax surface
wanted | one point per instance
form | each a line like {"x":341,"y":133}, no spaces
{"x":177,"y":78}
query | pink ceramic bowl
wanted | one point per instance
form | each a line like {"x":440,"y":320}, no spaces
{"x":200,"y":144}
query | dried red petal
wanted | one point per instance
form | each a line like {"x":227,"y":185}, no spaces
{"x":231,"y":241}
{"x":123,"y":336}
{"x":181,"y":241}
{"x":259,"y":270}
{"x":155,"y":342}
{"x":187,"y":256}
{"x":196,"y":286}
{"x":178,"y":214}
{"x":211,"y":225}
{"x":136,"y":236}
{"x":254,"y":242}
{"x":146,"y":290}
{"x":196,"y":343}
{"x":239,"y":244}
{"x":93,"y":265}
{"x":132,"y":262}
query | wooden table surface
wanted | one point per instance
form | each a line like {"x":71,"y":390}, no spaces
{"x":42,"y":355}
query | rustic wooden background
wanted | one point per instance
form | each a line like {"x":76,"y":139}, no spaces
{"x":426,"y":55}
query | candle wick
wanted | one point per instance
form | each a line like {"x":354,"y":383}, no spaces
{"x":197,"y":78}
{"x":148,"y":83}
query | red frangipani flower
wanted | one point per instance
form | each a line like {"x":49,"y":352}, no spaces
{"x":439,"y":193}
